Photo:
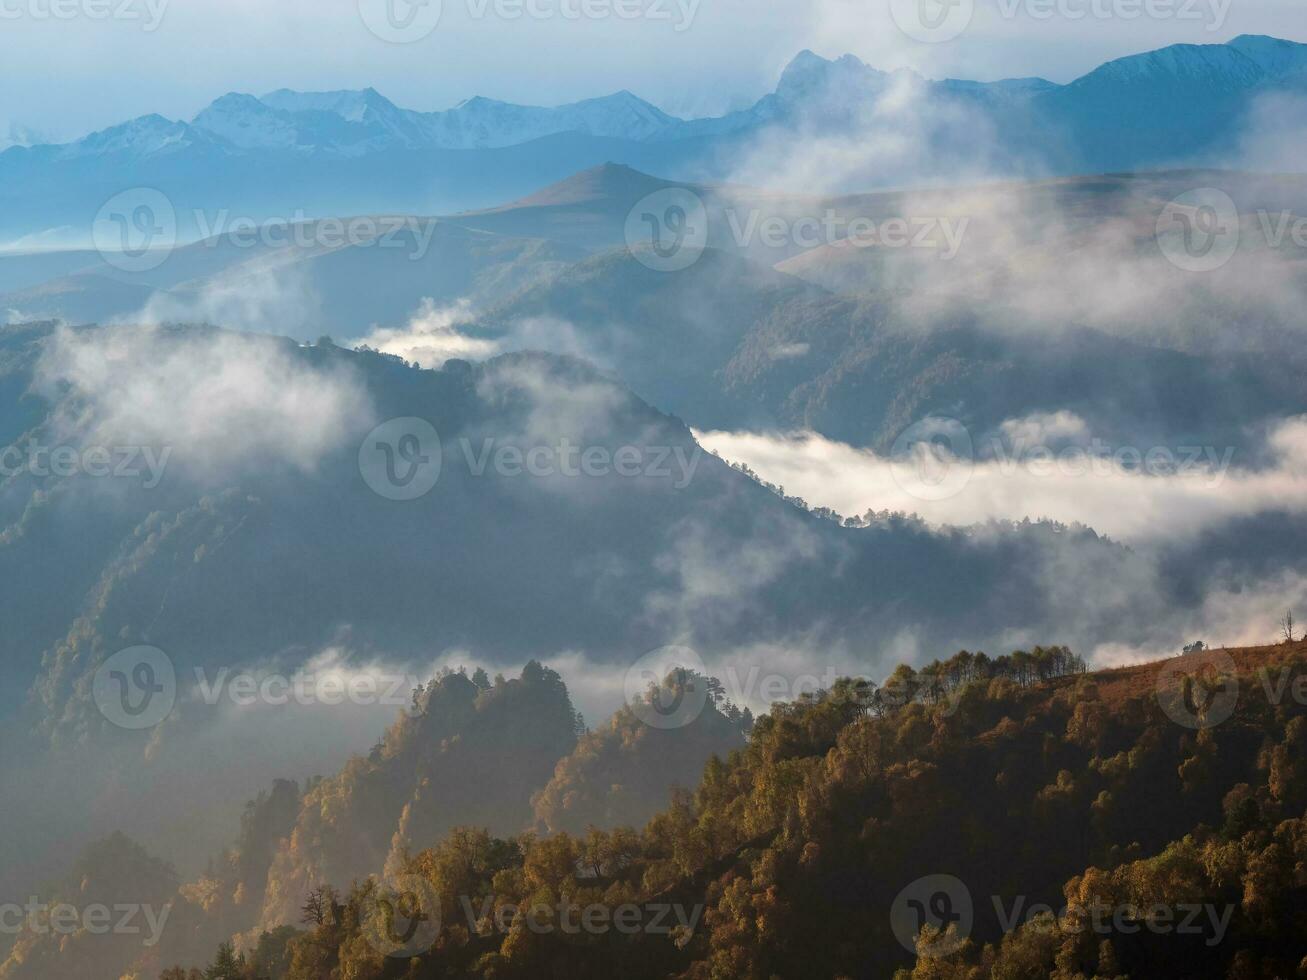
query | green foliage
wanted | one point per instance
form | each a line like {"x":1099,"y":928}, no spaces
{"x":1016,"y":775}
{"x":621,"y":774}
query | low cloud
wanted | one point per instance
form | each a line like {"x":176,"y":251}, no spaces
{"x":436,"y":334}
{"x":1234,"y":616}
{"x":431,"y":337}
{"x":1048,"y":469}
{"x":276,"y":300}
{"x":221,"y":401}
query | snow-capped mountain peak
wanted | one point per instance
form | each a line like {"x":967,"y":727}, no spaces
{"x":247,"y":122}
{"x":143,"y":136}
{"x":809,"y":76}
{"x":816,"y":91}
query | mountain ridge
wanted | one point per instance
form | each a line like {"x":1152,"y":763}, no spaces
{"x":481,"y":123}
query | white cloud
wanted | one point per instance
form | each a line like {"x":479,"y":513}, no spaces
{"x":276,"y":300}
{"x":219,"y":400}
{"x":1183,"y":495}
{"x":431,"y":337}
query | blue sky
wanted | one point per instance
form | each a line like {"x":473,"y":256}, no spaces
{"x":67,"y":75}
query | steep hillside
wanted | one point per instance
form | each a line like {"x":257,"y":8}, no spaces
{"x":920,"y":826}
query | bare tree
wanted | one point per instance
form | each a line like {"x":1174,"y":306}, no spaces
{"x":1286,"y":627}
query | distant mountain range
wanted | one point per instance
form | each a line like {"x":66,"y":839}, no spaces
{"x":355,"y":151}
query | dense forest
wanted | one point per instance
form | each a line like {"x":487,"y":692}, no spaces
{"x":1085,"y":825}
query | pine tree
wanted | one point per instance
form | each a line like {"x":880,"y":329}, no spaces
{"x":226,"y":965}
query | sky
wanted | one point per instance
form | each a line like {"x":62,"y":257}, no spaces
{"x":68,"y":67}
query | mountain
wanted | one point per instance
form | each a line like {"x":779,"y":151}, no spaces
{"x":221,"y":523}
{"x":859,"y":342}
{"x":622,"y":773}
{"x":1006,"y":816}
{"x":114,"y":874}
{"x":356,"y":122}
{"x":408,"y":794}
{"x":306,"y":280}
{"x":412,"y":789}
{"x":1159,"y":108}
{"x":1278,"y":58}
{"x":325,"y":150}
{"x":248,"y":493}
{"x":853,"y":341}
{"x":16,"y":135}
